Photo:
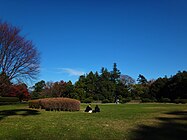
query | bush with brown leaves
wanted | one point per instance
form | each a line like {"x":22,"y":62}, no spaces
{"x":57,"y":104}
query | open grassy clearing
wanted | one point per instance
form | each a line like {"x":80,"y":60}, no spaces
{"x":123,"y":121}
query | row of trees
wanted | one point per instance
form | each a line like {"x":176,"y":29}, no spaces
{"x":93,"y":86}
{"x":106,"y":86}
{"x":109,"y":86}
{"x":172,"y":88}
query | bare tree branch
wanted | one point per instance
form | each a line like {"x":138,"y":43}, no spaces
{"x":19,"y":59}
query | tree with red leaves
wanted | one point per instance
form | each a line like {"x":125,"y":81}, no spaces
{"x":20,"y":91}
{"x":59,"y":89}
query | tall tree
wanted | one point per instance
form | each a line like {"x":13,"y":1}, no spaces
{"x":38,"y":89}
{"x":106,"y":86}
{"x":115,"y":74}
{"x":157,"y":88}
{"x":80,"y":88}
{"x":19,"y":59}
{"x":59,"y":89}
{"x":48,"y":90}
{"x":142,"y":80}
{"x":91,"y":84}
{"x":177,"y":86}
{"x":115,"y":78}
{"x":69,"y":89}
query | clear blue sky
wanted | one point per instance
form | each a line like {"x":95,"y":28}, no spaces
{"x":146,"y":37}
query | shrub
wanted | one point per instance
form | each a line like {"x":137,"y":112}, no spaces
{"x":8,"y":100}
{"x":165,"y":100}
{"x":177,"y":101}
{"x":59,"y":104}
{"x":98,"y":97}
{"x":88,"y":100}
{"x":146,"y":100}
{"x":182,"y":101}
{"x":105,"y":101}
{"x":125,"y":100}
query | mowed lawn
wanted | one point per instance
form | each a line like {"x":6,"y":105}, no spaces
{"x":114,"y":122}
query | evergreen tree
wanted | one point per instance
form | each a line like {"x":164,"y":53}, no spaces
{"x":91,"y":84}
{"x":38,"y":88}
{"x":115,"y":78}
{"x":115,"y":74}
{"x":80,"y":87}
{"x":158,"y":88}
{"x":177,"y":86}
{"x":142,"y":80}
{"x":69,"y":90}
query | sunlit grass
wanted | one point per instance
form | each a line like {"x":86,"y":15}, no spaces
{"x":113,"y":122}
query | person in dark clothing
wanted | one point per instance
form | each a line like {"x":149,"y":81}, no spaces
{"x":88,"y":108}
{"x":97,"y":109}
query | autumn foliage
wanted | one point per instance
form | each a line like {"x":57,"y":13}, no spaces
{"x":19,"y":90}
{"x":58,"y":104}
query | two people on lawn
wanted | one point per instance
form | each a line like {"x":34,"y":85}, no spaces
{"x":89,"y":109}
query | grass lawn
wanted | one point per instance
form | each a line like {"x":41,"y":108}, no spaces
{"x":114,"y":122}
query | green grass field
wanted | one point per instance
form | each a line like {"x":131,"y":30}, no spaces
{"x":114,"y":122}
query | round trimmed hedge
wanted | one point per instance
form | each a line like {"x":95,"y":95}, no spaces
{"x":58,"y":104}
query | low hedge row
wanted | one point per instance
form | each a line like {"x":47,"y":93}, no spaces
{"x":182,"y":101}
{"x":58,"y":104}
{"x":9,"y":99}
{"x":148,"y":100}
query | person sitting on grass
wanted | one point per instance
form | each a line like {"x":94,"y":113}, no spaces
{"x":88,"y":109}
{"x":97,"y":109}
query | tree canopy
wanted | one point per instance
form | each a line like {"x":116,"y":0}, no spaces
{"x":19,"y":59}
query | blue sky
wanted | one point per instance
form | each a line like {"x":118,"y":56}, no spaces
{"x":74,"y":37}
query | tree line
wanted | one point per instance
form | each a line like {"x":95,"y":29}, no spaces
{"x":104,"y":86}
{"x":110,"y":86}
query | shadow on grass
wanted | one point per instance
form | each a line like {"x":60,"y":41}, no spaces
{"x":21,"y":112}
{"x":172,"y":127}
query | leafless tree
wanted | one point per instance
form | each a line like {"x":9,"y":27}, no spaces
{"x":19,"y":59}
